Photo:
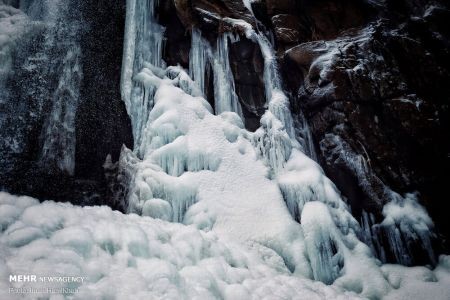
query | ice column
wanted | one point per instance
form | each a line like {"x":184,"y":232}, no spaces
{"x":144,"y":41}
{"x":225,"y":96}
{"x":406,"y":228}
{"x":199,"y":59}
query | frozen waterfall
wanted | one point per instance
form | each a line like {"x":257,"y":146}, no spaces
{"x":199,"y":166}
{"x":209,"y":208}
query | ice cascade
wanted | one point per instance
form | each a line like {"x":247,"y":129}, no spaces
{"x":198,"y":166}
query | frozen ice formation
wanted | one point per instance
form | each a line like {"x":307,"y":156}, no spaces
{"x":128,"y":256}
{"x":200,"y":167}
{"x":214,"y":211}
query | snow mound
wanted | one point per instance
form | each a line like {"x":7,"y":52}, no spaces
{"x":132,"y":257}
{"x":199,"y":170}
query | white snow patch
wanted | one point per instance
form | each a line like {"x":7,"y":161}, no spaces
{"x":132,"y":257}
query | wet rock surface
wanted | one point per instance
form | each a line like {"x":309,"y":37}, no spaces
{"x":101,"y":122}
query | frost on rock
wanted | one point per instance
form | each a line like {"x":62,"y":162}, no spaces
{"x":405,"y":227}
{"x":40,"y":45}
{"x":59,"y":130}
{"x":12,"y":25}
{"x":63,"y":28}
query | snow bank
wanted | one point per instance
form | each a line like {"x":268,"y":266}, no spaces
{"x":419,"y":282}
{"x":132,"y":257}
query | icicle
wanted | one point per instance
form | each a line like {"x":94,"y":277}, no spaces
{"x":126,"y":82}
{"x":406,"y":223}
{"x":322,"y":242}
{"x":272,"y":142}
{"x":143,"y":43}
{"x":225,"y":96}
{"x":182,"y":80}
{"x":174,"y":159}
{"x":150,"y":184}
{"x":308,"y":143}
{"x":371,"y":235}
{"x":157,"y":188}
{"x":199,"y":59}
{"x":248,"y":5}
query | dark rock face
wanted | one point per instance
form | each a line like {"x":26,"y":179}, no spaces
{"x":247,"y":66}
{"x":377,"y":102}
{"x":329,"y":18}
{"x":288,"y":29}
{"x":178,"y":41}
{"x":101,"y":122}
